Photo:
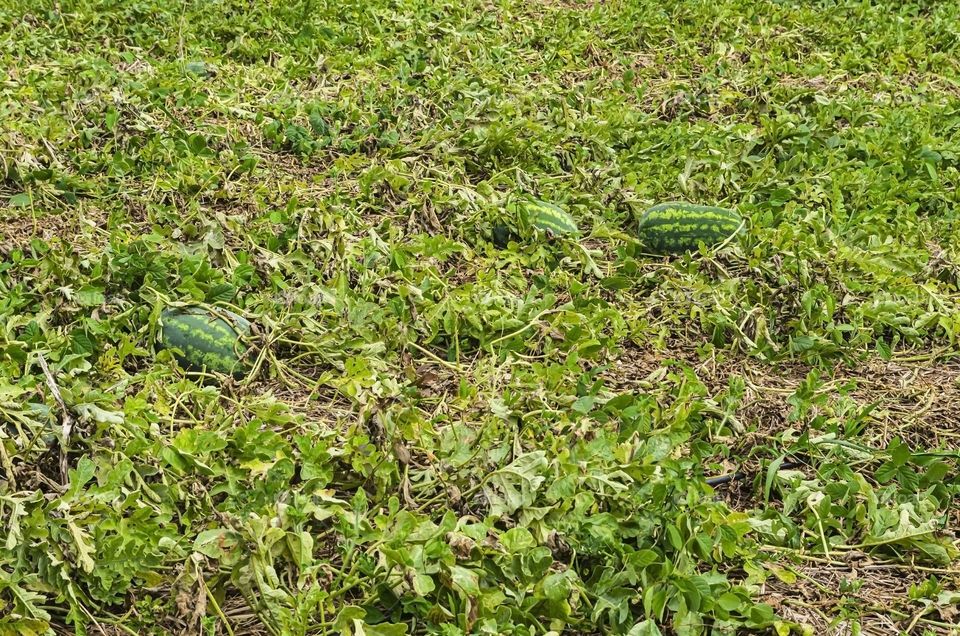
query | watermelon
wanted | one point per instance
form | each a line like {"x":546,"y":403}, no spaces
{"x":206,"y":340}
{"x":549,"y":217}
{"x":501,"y":235}
{"x":676,"y":227}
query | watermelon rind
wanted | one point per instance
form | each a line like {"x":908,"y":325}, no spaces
{"x":676,"y":227}
{"x":549,"y":217}
{"x":206,"y":340}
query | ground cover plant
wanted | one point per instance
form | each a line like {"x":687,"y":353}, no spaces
{"x":454,"y":419}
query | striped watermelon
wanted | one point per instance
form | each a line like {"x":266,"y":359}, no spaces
{"x":676,"y":227}
{"x":206,"y":340}
{"x":549,"y":217}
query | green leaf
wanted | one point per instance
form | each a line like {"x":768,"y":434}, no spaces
{"x":90,"y":296}
{"x":81,"y":343}
{"x":110,"y":119}
{"x":423,"y":583}
{"x":936,"y":472}
{"x":730,"y":601}
{"x":640,"y":559}
{"x":347,"y":615}
{"x":761,"y":615}
{"x":32,"y":332}
{"x":645,"y":628}
{"x":318,"y":124}
{"x":517,"y":540}
{"x":21,"y":200}
{"x":616,"y":283}
{"x":79,"y":476}
{"x":198,"y":67}
{"x":174,"y":459}
{"x":465,"y":580}
{"x":782,"y":573}
{"x":361,"y":628}
{"x":584,"y":404}
{"x":674,"y":538}
{"x":886,"y":472}
{"x":214,"y":543}
{"x":221,"y":293}
{"x":81,"y":543}
{"x":771,"y":477}
{"x":557,"y":586}
{"x":97,"y":414}
{"x":899,"y":452}
{"x":197,"y":143}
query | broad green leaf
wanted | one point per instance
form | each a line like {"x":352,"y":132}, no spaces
{"x":90,"y":296}
{"x":465,"y":580}
{"x":221,"y":293}
{"x":20,"y":200}
{"x":360,"y":628}
{"x":645,"y":628}
{"x":730,"y":602}
{"x":214,"y":543}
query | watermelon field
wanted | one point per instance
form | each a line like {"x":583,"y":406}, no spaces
{"x":500,"y":317}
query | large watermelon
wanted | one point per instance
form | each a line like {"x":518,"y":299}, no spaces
{"x":677,"y":227}
{"x":549,"y":217}
{"x":206,"y":340}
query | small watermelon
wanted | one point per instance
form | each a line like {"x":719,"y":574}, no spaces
{"x":676,"y":227}
{"x":206,"y":340}
{"x":549,"y":217}
{"x":501,"y":235}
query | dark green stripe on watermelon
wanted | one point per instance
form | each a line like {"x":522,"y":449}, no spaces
{"x":677,"y":227}
{"x":206,"y":341}
{"x":549,"y":217}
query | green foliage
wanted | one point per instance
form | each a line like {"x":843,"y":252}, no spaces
{"x":448,"y":434}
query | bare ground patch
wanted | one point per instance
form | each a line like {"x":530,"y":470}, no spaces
{"x":915,"y":397}
{"x":19,"y":226}
{"x":828,"y":595}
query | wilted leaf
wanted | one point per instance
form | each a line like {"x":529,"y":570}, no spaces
{"x":516,"y":485}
